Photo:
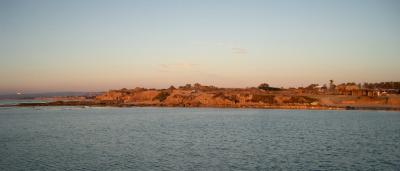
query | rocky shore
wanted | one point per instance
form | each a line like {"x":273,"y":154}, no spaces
{"x":210,"y":96}
{"x":101,"y":104}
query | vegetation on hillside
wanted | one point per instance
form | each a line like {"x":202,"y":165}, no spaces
{"x":162,"y":96}
{"x":270,"y":99}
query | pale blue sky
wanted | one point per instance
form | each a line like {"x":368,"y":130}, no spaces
{"x":83,"y":45}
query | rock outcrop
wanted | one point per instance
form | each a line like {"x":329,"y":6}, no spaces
{"x":204,"y":96}
{"x":210,"y":96}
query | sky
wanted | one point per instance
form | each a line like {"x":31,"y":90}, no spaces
{"x":95,"y":45}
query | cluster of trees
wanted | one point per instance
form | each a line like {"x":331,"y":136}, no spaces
{"x":383,"y":85}
{"x":265,"y":86}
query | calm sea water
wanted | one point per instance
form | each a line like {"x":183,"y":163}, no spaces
{"x":14,"y":102}
{"x":65,"y":138}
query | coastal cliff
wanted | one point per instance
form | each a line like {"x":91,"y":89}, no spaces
{"x":211,"y":96}
{"x":203,"y":96}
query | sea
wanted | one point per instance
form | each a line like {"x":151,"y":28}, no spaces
{"x":158,"y":138}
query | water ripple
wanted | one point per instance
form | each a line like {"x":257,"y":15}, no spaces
{"x":197,"y":139}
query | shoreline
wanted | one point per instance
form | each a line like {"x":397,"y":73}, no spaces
{"x":198,"y":95}
{"x":288,"y":107}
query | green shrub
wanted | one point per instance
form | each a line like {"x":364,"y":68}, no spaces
{"x":162,"y":96}
{"x":263,"y":98}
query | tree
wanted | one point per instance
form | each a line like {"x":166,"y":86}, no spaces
{"x":263,"y":86}
{"x":331,"y":85}
{"x":171,"y":88}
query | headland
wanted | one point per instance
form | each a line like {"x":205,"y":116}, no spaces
{"x":346,"y":96}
